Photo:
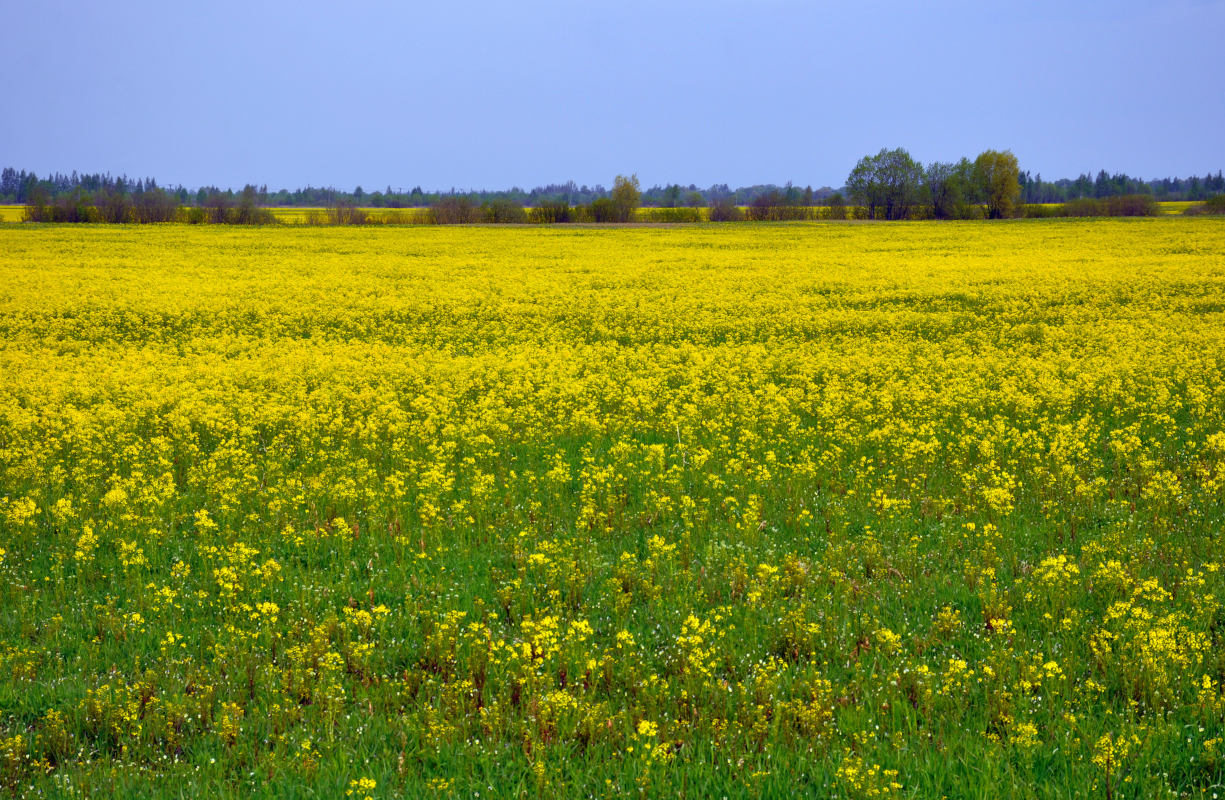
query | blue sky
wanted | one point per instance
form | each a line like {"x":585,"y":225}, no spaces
{"x":481,"y":94}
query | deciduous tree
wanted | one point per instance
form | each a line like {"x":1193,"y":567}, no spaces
{"x":996,"y":174}
{"x":888,"y":184}
{"x":626,"y":197}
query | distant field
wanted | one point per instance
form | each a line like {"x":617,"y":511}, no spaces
{"x":751,"y":511}
{"x":1176,"y":206}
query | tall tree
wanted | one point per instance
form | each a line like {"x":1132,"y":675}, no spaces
{"x":626,"y":197}
{"x":995,"y":173}
{"x":888,"y":184}
{"x":944,"y":189}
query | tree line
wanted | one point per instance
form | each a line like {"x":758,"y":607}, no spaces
{"x":1084,"y":186}
{"x":19,"y":186}
{"x":146,"y":205}
{"x":890,"y":184}
{"x":893,"y":185}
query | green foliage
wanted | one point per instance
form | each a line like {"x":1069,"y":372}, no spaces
{"x":74,"y":206}
{"x":113,"y":207}
{"x":248,"y":210}
{"x":1081,"y":207}
{"x":951,"y":190}
{"x":995,"y":175}
{"x":626,"y":196}
{"x":889,"y":184}
{"x":603,"y":209}
{"x":503,"y":212}
{"x":1131,"y":205}
{"x":669,"y":215}
{"x":552,"y":212}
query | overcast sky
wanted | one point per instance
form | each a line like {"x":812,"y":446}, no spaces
{"x":489,"y":95}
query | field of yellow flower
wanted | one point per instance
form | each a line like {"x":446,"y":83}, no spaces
{"x":832,"y":510}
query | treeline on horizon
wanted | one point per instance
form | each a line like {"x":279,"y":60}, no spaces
{"x":888,"y":185}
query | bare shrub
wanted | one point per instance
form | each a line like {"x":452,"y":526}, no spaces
{"x":454,"y":210}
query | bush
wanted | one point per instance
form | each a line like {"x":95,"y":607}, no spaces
{"x":454,"y":210}
{"x":249,"y":212}
{"x":343,"y":212}
{"x":603,"y":210}
{"x":670,"y":215}
{"x":1128,"y":205}
{"x":216,"y":208}
{"x":1081,"y":207}
{"x":405,"y":216}
{"x":725,"y":210}
{"x":551,"y":212}
{"x":773,"y":206}
{"x":503,"y":212}
{"x":154,"y":205}
{"x":1131,"y":205}
{"x":38,"y":205}
{"x":73,"y":207}
{"x":113,"y":207}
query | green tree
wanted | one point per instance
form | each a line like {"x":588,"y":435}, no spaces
{"x":996,"y":175}
{"x":944,"y":189}
{"x":888,"y":184}
{"x":626,"y":197}
{"x":38,"y":204}
{"x":502,"y":210}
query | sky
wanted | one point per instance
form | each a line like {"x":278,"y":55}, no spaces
{"x":529,"y":92}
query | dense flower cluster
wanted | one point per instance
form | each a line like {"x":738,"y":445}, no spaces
{"x":858,"y":511}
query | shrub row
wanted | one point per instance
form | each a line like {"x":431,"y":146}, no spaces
{"x":145,"y":207}
{"x":157,"y":206}
{"x":1127,"y":205}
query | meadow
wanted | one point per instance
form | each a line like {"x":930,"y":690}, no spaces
{"x":815,"y":509}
